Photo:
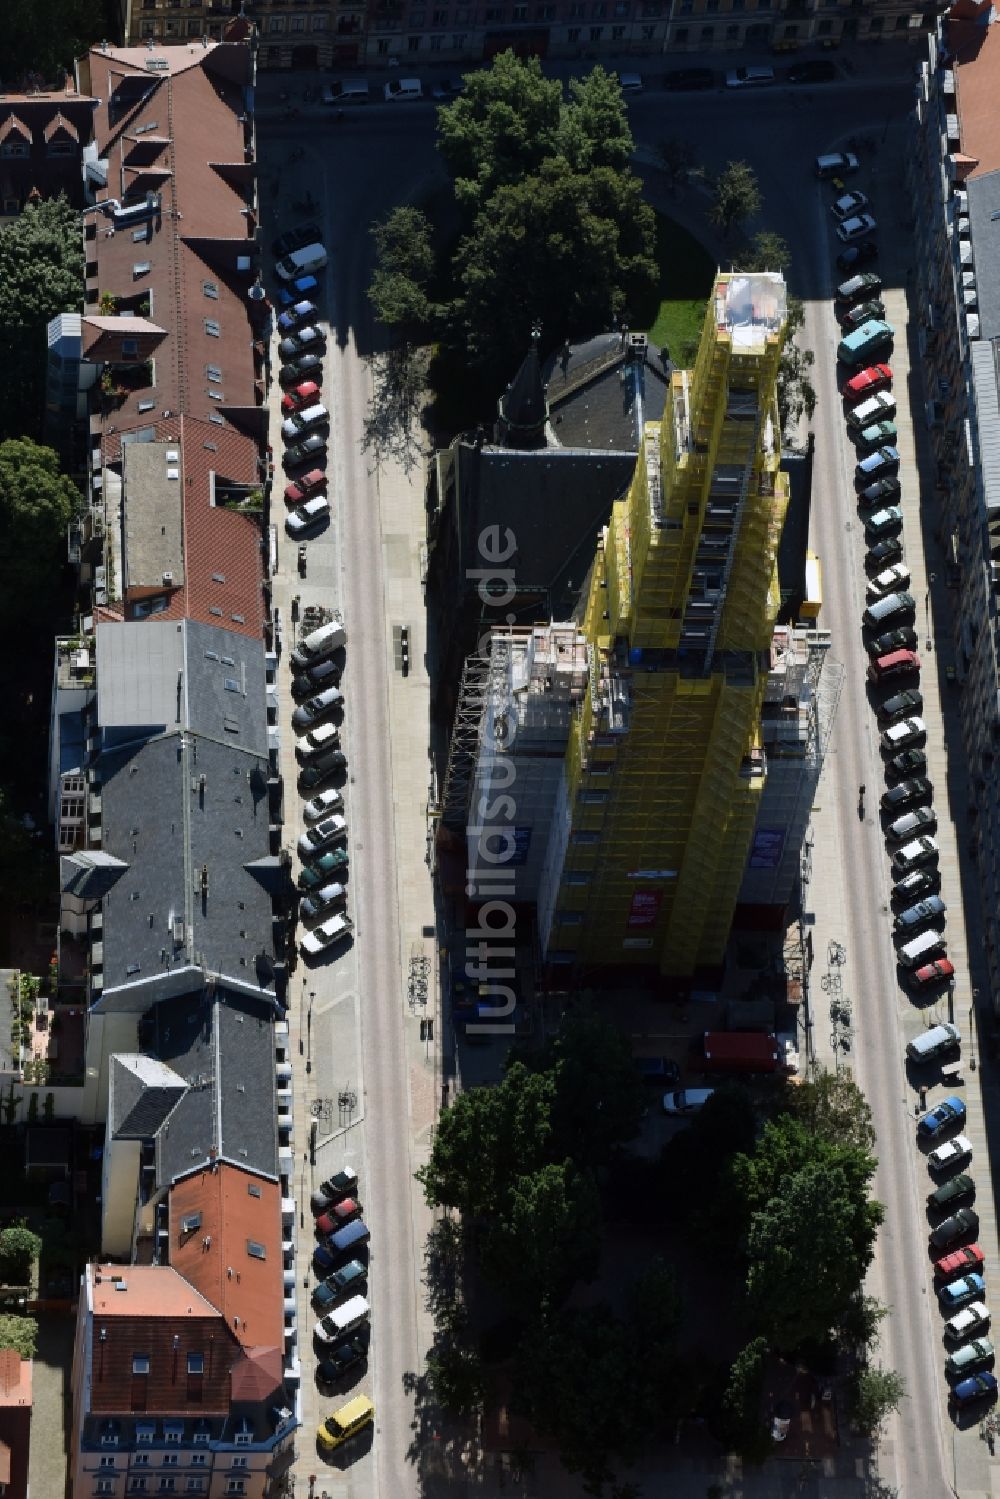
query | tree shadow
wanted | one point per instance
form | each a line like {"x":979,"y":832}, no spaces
{"x":391,"y":431}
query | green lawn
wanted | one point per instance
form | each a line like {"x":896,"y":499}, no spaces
{"x":686,"y":275}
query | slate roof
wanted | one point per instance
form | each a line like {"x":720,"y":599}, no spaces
{"x":592,"y":394}
{"x":523,"y":408}
{"x":89,"y":873}
{"x":222,"y":1044}
{"x":142,"y":1092}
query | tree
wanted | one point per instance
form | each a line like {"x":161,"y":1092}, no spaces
{"x":456,"y":1376}
{"x":573,"y":248}
{"x":598,"y":1104}
{"x":737,"y":197}
{"x":808,"y":1251}
{"x":501,"y":128}
{"x":391,"y":428}
{"x":695,"y":1164}
{"x":768,"y":252}
{"x":860,"y":1323}
{"x":677,"y":157}
{"x":19,"y":1248}
{"x":876,"y":1393}
{"x":44,"y":37}
{"x":41,"y":274}
{"x":796,"y":393}
{"x":785,"y":1146}
{"x":594,"y":129}
{"x":36,"y":504}
{"x":20,"y":1333}
{"x":741,"y":1426}
{"x":548,"y":1237}
{"x":404,"y":266}
{"x":832,"y":1106}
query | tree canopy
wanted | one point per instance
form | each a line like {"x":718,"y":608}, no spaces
{"x":37,"y":502}
{"x":20,"y":1333}
{"x":41,"y":274}
{"x":43,"y":37}
{"x":501,"y":128}
{"x":737,"y":197}
{"x":404,"y":266}
{"x":18,"y":1248}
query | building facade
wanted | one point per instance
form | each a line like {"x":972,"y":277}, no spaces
{"x":369,"y":33}
{"x":665,"y":767}
{"x":954,"y":172}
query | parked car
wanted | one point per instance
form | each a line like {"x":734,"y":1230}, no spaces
{"x":959,"y":1189}
{"x":323,"y":674}
{"x":904,"y":793}
{"x":300,"y":422}
{"x":856,"y":226}
{"x":922,"y":850}
{"x":971,"y":1391}
{"x":315,"y":708}
{"x":754,"y":76}
{"x":447,"y":88}
{"x":686,"y":1100}
{"x":337,"y":1214}
{"x":877,"y":435}
{"x":901,"y":704}
{"x":299,"y":312}
{"x":957,"y":1293}
{"x":901,"y":735}
{"x":871,"y":380}
{"x":865,"y":312}
{"x":848,"y":204}
{"x":903,"y":638}
{"x":327,"y":935}
{"x":948,"y":1112}
{"x":929,"y":912}
{"x":684,"y":80}
{"x":296,"y":239}
{"x":889,"y":519}
{"x":321,"y":900}
{"x":303,"y":341}
{"x":343,"y":1183}
{"x":875,"y":463}
{"x":316,"y":874}
{"x":302,"y":286}
{"x":315,"y":839}
{"x":909,"y":762}
{"x":918,"y":882}
{"x":859,"y":254}
{"x":969,"y":1358}
{"x":307,"y":516}
{"x":306,"y":484}
{"x":938,"y":972}
{"x":322,"y":805}
{"x":960,"y":1262}
{"x":891,"y":580}
{"x":306,"y":393}
{"x":971,"y":1319}
{"x":309,"y":367}
{"x":885,"y":551}
{"x":960,"y":1225}
{"x":913,"y":824}
{"x":949,"y":1154}
{"x":658,"y":1071}
{"x":341,"y":1359}
{"x":402,"y":90}
{"x":321,"y":768}
{"x":858,"y":289}
{"x":349,"y":1280}
{"x":325,"y":736}
{"x":881,"y":492}
{"x":309,"y":449}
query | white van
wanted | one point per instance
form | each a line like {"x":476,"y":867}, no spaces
{"x":347,"y":91}
{"x":346,"y":1318}
{"x":400,"y":90}
{"x":876,"y":409}
{"x":304,"y":262}
{"x":322,"y":642}
{"x":920,"y":949}
{"x":936,"y":1042}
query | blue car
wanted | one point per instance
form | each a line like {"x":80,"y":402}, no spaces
{"x":969,"y":1288}
{"x":951,"y":1111}
{"x":324,"y":1260}
{"x":979,"y":1387}
{"x":303,"y":287}
{"x":878,"y":462}
{"x":302,"y":312}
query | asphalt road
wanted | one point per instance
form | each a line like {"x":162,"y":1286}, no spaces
{"x":362,"y":166}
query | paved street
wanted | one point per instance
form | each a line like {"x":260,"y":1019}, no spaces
{"x":363,"y":1037}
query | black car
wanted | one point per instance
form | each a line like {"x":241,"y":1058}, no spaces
{"x":915,"y":789}
{"x":690,"y":78}
{"x":334,"y":1189}
{"x":308,"y":367}
{"x":815,"y":71}
{"x":889,"y":550}
{"x":902,"y":639}
{"x":297,"y":239}
{"x":909,"y":762}
{"x":312,"y":776}
{"x":339,"y":1360}
{"x":963,"y":1224}
{"x":859,"y":254}
{"x":309,"y":449}
{"x":880,"y":492}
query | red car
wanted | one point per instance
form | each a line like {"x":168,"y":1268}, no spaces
{"x":960,"y":1262}
{"x":934,"y":973}
{"x":306,"y":484}
{"x":306,"y":394}
{"x":867,"y":382}
{"x":337,"y":1215}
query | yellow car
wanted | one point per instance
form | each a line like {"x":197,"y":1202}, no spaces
{"x":346,"y":1423}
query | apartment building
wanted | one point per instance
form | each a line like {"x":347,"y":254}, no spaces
{"x":304,"y":34}
{"x":954,"y":177}
{"x":166,"y":799}
{"x":42,"y":139}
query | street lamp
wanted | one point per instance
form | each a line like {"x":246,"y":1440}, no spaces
{"x":972,"y":1030}
{"x":309,"y":1031}
{"x":931,"y":579}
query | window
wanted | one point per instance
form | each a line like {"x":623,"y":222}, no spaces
{"x":707,"y":33}
{"x":413,"y":44}
{"x":253,"y":1189}
{"x":141,"y":1459}
{"x":297,"y":23}
{"x":617,"y":33}
{"x":573,"y":34}
{"x":172,"y":1432}
{"x":107,"y":1462}
{"x":254,"y":1250}
{"x":437,"y":42}
{"x":140,"y":1363}
{"x":383,"y":48}
{"x":244,"y":1437}
{"x":236,"y":1486}
{"x":732,"y":32}
{"x":211,"y":290}
{"x":104,"y":1486}
{"x":61,"y":148}
{"x":215,"y":375}
{"x":169,"y":1459}
{"x":599,"y":10}
{"x":13,"y":148}
{"x":196,"y":1363}
{"x":520,"y":13}
{"x":439,"y":18}
{"x":190,"y":1222}
{"x":194,"y":28}
{"x":596,"y":33}
{"x":137,"y":1485}
{"x":141,"y":268}
{"x":277,"y":23}
{"x":212,"y":328}
{"x":240,"y":1462}
{"x":319,"y":23}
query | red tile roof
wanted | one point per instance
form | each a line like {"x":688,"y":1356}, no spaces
{"x":15,"y":1378}
{"x":977,"y":81}
{"x":235,"y":1210}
